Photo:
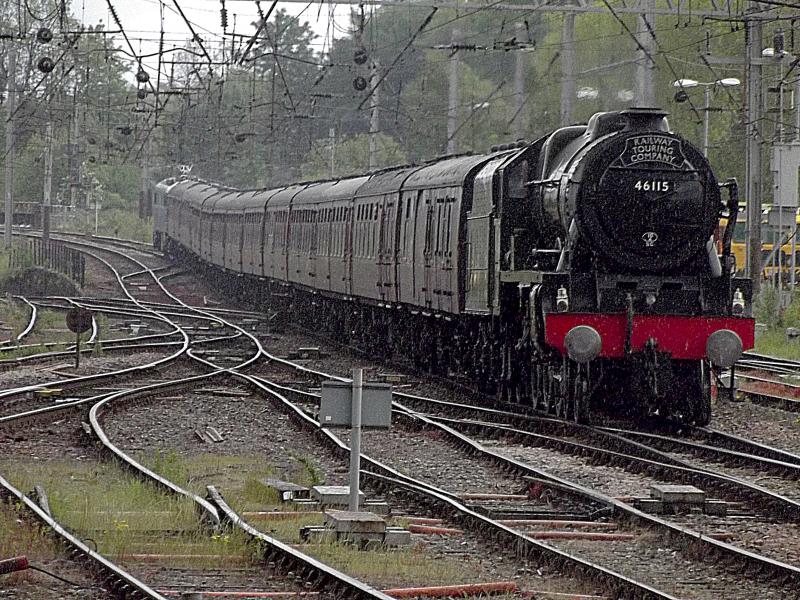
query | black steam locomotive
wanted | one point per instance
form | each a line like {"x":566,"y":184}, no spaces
{"x":576,"y":271}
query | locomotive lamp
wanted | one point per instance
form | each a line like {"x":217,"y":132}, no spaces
{"x":682,"y":96}
{"x":562,"y":300}
{"x":738,"y":302}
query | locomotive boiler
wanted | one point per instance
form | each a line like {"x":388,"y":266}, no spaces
{"x":568,"y":274}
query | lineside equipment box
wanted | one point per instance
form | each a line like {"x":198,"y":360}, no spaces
{"x":335,"y":409}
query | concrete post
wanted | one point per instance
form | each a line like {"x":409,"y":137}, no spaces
{"x":567,"y":69}
{"x":48,"y":186}
{"x":11,"y":86}
{"x":453,"y":98}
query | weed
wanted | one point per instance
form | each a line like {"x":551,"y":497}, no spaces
{"x":170,"y":465}
{"x":258,"y":493}
{"x":311,"y":474}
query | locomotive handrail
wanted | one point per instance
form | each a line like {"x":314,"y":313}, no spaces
{"x":733,"y":213}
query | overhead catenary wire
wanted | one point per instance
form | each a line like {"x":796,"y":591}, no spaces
{"x":397,"y":58}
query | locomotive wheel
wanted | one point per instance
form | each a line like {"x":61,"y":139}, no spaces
{"x":580,"y":398}
{"x":692,"y":381}
{"x":702,"y":408}
{"x":539,"y":391}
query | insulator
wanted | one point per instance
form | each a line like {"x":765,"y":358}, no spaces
{"x":46,"y":64}
{"x":44,"y":35}
{"x":224,"y":14}
{"x":359,"y":83}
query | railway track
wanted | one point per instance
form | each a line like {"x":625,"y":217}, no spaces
{"x":189,"y":348}
{"x":783,"y":507}
{"x":238,"y":354}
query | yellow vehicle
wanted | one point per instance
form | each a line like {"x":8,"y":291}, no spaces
{"x":769,"y":260}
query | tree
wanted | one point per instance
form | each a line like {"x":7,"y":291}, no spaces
{"x":350,"y":157}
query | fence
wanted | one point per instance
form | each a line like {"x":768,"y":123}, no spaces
{"x":55,"y":256}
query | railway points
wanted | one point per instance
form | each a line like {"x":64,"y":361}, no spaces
{"x":550,"y":506}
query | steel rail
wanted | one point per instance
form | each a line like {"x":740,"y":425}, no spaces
{"x":772,"y":400}
{"x":195,"y":311}
{"x":757,"y":379}
{"x":147,"y":303}
{"x":45,"y":411}
{"x":318,"y":573}
{"x":765,"y":358}
{"x":736,"y":457}
{"x":91,"y":378}
{"x":741,"y":444}
{"x":11,"y":344}
{"x":521,"y":544}
{"x":10,"y":363}
{"x":123,"y":584}
{"x":144,"y":314}
{"x":729,"y":552}
{"x":776,"y":505}
{"x":206,"y":510}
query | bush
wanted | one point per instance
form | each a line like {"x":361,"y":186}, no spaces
{"x":766,"y":307}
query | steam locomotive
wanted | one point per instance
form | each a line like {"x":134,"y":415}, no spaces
{"x":578,"y":271}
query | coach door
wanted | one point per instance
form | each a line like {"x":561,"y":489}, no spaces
{"x":429,"y":274}
{"x":386,"y":251}
{"x":348,"y":249}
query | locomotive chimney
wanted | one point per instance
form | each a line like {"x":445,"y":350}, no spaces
{"x":645,"y":119}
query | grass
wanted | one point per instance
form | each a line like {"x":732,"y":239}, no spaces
{"x":412,"y":565}
{"x":773,"y":340}
{"x":122,"y":514}
{"x":240,"y":480}
{"x":775,"y":343}
{"x":29,"y":350}
{"x":18,"y":538}
{"x":16,"y":316}
{"x":239,"y":475}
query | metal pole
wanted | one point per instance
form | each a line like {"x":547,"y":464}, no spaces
{"x":706,"y":120}
{"x":48,"y":185}
{"x":776,"y":202}
{"x":355,"y":438}
{"x":779,"y":254}
{"x":567,"y":69}
{"x":797,"y":141}
{"x":779,"y":122}
{"x":453,"y":98}
{"x":77,"y":350}
{"x":754,"y":34}
{"x":797,"y":102}
{"x":11,"y":86}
